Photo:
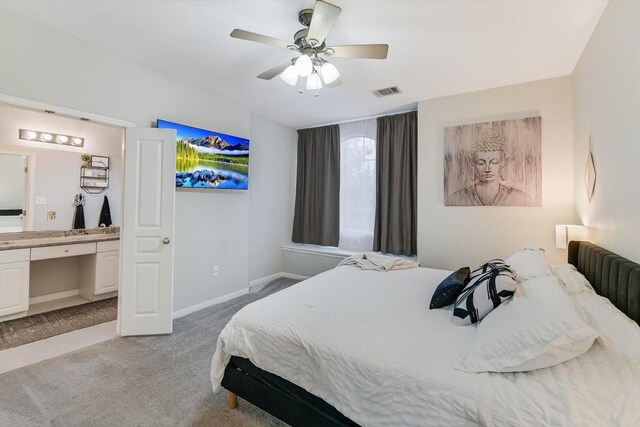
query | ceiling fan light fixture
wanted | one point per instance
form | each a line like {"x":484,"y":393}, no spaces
{"x":290,"y":75}
{"x":304,"y":67}
{"x":329,"y":73}
{"x":314,"y":82}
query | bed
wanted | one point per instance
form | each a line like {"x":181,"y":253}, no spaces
{"x":351,"y":347}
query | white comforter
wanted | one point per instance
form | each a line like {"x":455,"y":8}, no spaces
{"x":367,"y":343}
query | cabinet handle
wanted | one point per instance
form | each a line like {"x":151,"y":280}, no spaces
{"x":66,"y":251}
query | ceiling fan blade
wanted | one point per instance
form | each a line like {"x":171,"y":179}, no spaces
{"x":259,"y":38}
{"x":272,"y":72}
{"x":364,"y":51}
{"x":324,"y":17}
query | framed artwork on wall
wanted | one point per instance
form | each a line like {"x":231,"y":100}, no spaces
{"x":494,"y":163}
{"x":590,"y":176}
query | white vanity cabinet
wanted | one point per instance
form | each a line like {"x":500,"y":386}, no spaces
{"x":14,"y":282}
{"x":96,"y":272}
{"x":100,"y":272}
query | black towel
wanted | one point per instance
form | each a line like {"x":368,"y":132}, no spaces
{"x":105,"y":214}
{"x":78,"y":221}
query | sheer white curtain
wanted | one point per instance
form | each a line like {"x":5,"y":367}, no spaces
{"x":357,"y":184}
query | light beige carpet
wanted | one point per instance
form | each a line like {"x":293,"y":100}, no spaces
{"x":139,"y":381}
{"x":14,"y":333}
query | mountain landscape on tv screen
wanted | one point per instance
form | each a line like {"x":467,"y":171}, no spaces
{"x":206,"y":159}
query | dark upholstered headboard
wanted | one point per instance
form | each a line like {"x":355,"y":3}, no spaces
{"x":611,"y":275}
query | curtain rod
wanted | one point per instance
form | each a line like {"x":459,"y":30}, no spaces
{"x":361,"y":118}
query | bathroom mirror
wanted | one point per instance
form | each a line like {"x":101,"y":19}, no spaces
{"x":13,"y":192}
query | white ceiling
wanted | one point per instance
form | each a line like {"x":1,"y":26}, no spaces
{"x":436,"y":48}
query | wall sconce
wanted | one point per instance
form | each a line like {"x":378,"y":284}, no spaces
{"x":52,"y":138}
{"x":566,"y":233}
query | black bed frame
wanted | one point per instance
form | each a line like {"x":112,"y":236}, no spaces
{"x":611,"y":275}
{"x":279,"y":397}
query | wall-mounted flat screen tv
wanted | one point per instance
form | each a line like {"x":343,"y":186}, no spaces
{"x":207,"y":159}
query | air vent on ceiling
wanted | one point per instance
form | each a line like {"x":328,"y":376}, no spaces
{"x":386,"y":91}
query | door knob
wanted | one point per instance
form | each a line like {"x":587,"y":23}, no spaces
{"x":166,"y":241}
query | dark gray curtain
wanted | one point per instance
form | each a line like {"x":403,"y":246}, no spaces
{"x":317,"y":211}
{"x":396,"y":181}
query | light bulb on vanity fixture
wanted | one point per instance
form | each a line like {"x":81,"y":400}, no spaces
{"x":29,"y":134}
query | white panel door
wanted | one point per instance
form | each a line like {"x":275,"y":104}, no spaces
{"x":146,"y":288}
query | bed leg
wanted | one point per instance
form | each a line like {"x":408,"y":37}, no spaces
{"x":232,"y":398}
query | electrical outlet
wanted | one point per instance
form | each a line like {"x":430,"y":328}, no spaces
{"x":216,"y":271}
{"x":51,"y":215}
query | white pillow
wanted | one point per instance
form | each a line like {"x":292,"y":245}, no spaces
{"x":623,"y":334}
{"x":535,"y":330}
{"x":574,"y":282}
{"x":529,"y":263}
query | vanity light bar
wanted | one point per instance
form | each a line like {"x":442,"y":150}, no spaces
{"x":53,"y":138}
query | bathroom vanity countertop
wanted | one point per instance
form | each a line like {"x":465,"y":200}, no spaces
{"x":55,"y":241}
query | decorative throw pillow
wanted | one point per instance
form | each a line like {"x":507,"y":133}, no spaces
{"x":542,"y":329}
{"x":488,"y":287}
{"x":449,"y":289}
{"x":529,"y":263}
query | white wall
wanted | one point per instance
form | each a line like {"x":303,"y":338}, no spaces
{"x":56,"y":168}
{"x":306,"y":264}
{"x":606,"y":95}
{"x":13,"y":183}
{"x":272,"y":185}
{"x":452,"y":237}
{"x":212,"y":228}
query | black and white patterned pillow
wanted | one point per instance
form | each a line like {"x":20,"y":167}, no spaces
{"x":489,"y":285}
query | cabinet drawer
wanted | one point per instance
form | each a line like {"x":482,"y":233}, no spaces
{"x":111,"y":245}
{"x":62,"y":251}
{"x":14,"y":255}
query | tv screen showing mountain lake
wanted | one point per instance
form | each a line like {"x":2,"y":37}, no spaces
{"x":207,"y":159}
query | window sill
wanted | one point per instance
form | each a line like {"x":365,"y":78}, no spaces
{"x":326,"y":251}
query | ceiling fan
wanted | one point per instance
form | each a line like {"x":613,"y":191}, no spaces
{"x":310,"y":70}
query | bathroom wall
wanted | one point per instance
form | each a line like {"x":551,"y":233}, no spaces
{"x":55,"y":169}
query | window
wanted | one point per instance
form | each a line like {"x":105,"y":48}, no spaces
{"x":357,"y":185}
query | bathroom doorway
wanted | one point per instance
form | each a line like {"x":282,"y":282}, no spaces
{"x":60,"y":214}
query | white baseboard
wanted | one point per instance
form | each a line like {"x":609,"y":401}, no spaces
{"x":224,"y":298}
{"x":51,"y":297}
{"x":256,"y":285}
{"x":294,"y":276}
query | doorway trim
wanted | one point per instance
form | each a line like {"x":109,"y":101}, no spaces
{"x":43,"y":107}
{"x":14,"y":101}
{"x":29,"y":202}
